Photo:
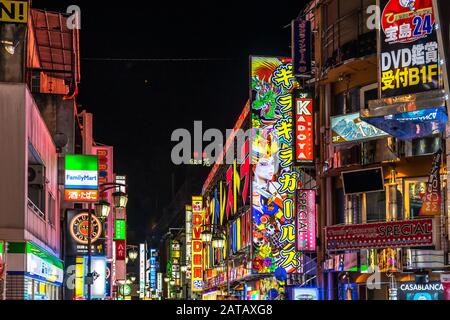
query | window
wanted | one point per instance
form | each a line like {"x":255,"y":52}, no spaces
{"x":414,"y":191}
{"x":376,"y":206}
{"x":51,"y":209}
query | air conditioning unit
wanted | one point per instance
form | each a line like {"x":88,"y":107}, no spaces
{"x":36,"y":175}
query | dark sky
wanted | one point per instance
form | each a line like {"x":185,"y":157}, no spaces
{"x":137,"y":105}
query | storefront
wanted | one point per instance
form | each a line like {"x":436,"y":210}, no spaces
{"x":33,"y":273}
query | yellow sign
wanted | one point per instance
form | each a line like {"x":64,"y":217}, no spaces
{"x":197,"y":245}
{"x":14,"y":11}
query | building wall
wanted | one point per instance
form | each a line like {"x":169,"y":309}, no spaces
{"x":21,"y":123}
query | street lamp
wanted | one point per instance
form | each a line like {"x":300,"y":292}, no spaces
{"x":120,"y":200}
{"x":218,"y":241}
{"x":166,"y":279}
{"x":102,"y":209}
{"x":133,"y":254}
{"x":206,"y":236}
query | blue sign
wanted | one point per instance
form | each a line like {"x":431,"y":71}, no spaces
{"x":412,"y":125}
{"x":350,"y":128}
{"x":153,"y":269}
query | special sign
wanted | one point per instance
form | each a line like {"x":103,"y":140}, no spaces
{"x":306,"y":220}
{"x":304,"y":125}
{"x":408,"y":233}
{"x":197,"y":244}
{"x":409,"y":49}
{"x":13,"y":11}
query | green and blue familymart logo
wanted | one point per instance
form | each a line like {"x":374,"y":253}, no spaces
{"x":81,"y":172}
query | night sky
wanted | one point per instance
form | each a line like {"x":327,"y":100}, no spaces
{"x":138,"y":104}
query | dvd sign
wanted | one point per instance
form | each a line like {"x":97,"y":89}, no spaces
{"x":409,"y":60}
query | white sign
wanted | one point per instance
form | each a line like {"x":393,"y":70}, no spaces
{"x":142,"y":270}
{"x":159,"y":282}
{"x":41,"y":268}
{"x":80,"y":179}
{"x":98,"y":268}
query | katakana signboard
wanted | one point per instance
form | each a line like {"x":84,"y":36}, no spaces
{"x":409,"y":60}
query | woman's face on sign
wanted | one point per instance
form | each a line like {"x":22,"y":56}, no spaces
{"x":265,"y":168}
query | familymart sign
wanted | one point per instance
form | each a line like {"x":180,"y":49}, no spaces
{"x":81,"y":178}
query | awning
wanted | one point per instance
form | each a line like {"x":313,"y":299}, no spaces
{"x":409,"y":117}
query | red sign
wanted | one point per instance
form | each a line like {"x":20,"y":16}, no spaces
{"x":304,"y":124}
{"x":81,"y":195}
{"x":431,"y":201}
{"x":306,"y":220}
{"x":121,"y":250}
{"x":408,"y":233}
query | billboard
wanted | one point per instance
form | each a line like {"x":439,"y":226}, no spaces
{"x":428,"y":291}
{"x":188,"y":232}
{"x":77,"y":236}
{"x":142,"y":259}
{"x":81,"y":178}
{"x":304,"y":127}
{"x":153,"y":268}
{"x":121,"y":230}
{"x":306,"y":220}
{"x":13,"y":11}
{"x":409,"y":59}
{"x":302,"y":47}
{"x":197,"y":245}
{"x":408,"y":233}
{"x":274,"y":180}
{"x":350,"y":128}
{"x":98,"y":267}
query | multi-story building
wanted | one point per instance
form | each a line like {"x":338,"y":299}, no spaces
{"x":382,"y":221}
{"x":40,"y":125}
{"x":39,"y":63}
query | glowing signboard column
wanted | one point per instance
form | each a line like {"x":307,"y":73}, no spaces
{"x":274,"y":178}
{"x":142,"y":270}
{"x":188,"y":241}
{"x":306,"y":220}
{"x":197,"y":245}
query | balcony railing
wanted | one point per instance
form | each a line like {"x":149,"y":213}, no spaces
{"x":347,"y":38}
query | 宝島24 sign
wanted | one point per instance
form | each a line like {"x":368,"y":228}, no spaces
{"x":409,"y":61}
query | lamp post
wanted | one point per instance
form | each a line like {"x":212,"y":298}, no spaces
{"x":102,"y":209}
{"x":218,"y":242}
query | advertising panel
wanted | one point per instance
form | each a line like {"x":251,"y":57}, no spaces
{"x":301,"y":47}
{"x":413,"y":291}
{"x":306,"y":220}
{"x":153,"y":267}
{"x":433,"y":198}
{"x":197,"y":244}
{"x":188,"y":232}
{"x":274,"y":180}
{"x":305,"y":294}
{"x":350,"y":128}
{"x":304,"y":127}
{"x":13,"y":11}
{"x":77,"y":236}
{"x":142,"y":258}
{"x":408,"y":233}
{"x":81,"y":178}
{"x":121,"y":252}
{"x":121,"y":230}
{"x":98,"y":267}
{"x":409,"y":60}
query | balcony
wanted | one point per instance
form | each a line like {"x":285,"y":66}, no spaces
{"x":348,"y":44}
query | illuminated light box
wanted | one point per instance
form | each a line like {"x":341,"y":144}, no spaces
{"x":412,"y":125}
{"x":81,"y":178}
